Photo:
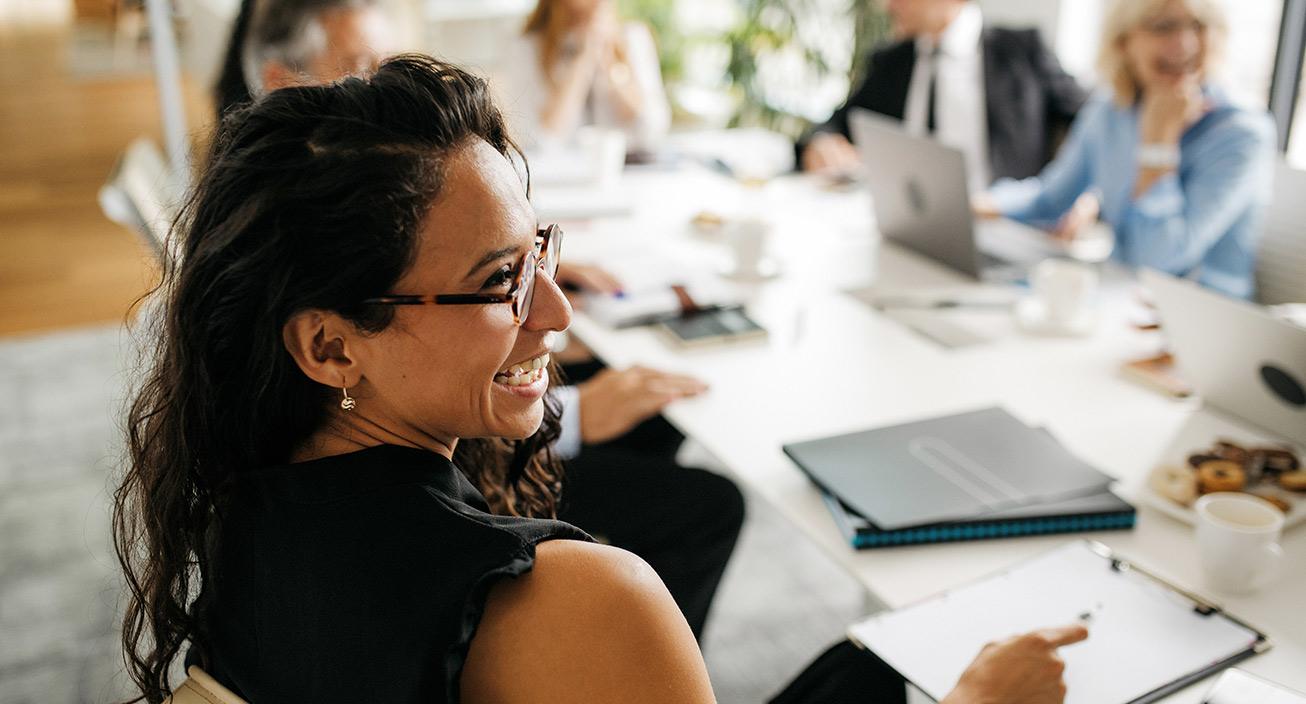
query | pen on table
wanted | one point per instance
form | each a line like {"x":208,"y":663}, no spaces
{"x":934,"y":303}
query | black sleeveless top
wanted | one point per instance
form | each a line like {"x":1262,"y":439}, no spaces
{"x":354,"y":578}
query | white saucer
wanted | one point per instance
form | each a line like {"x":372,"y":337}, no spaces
{"x":1031,"y":316}
{"x":765,"y":269}
{"x":1092,"y":245}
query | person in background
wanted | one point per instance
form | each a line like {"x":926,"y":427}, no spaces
{"x":1180,"y":173}
{"x":624,"y":484}
{"x":300,"y":42}
{"x":338,"y":482}
{"x":999,"y":95}
{"x":576,"y":65}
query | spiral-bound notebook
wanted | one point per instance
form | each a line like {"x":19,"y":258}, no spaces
{"x":1101,"y":511}
{"x":1147,"y":638}
{"x":980,"y":474}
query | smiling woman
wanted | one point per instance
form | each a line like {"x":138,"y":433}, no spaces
{"x":1179,"y":171}
{"x":364,"y":300}
{"x":271,"y":364}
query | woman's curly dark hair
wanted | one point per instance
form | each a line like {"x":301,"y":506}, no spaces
{"x":313,"y":199}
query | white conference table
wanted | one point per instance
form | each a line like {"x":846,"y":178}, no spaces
{"x":832,"y":364}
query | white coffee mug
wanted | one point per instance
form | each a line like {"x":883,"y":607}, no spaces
{"x":1238,"y":541}
{"x":1065,"y":288}
{"x":747,"y":238}
{"x":607,"y":149}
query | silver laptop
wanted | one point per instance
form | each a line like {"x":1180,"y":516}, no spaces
{"x":1237,"y":357}
{"x":922,"y":202}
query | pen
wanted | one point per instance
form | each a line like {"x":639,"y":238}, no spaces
{"x":1087,"y":615}
{"x":928,"y":303}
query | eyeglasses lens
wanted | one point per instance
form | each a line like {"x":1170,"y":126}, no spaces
{"x":525,"y":290}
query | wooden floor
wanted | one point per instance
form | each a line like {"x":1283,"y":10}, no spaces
{"x":62,"y":263}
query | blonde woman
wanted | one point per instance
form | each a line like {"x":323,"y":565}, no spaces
{"x":576,"y":65}
{"x":1180,"y":173}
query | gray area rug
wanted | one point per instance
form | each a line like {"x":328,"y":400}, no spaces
{"x":782,"y":602}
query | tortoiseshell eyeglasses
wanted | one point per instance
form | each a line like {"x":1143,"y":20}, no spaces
{"x":548,"y":248}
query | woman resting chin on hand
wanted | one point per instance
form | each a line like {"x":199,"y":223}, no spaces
{"x":1180,"y":173}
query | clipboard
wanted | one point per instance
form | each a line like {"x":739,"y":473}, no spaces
{"x":1147,"y":638}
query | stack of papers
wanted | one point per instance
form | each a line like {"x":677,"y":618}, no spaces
{"x":649,"y":294}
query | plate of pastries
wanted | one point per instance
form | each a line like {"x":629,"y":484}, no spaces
{"x":1273,"y":472}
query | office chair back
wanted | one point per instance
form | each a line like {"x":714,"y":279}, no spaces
{"x":142,"y":194}
{"x":199,"y":688}
{"x":1281,"y":267}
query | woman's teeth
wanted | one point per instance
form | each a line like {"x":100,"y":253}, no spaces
{"x":524,"y":374}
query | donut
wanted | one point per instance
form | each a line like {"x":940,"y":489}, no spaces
{"x":1178,"y":484}
{"x":1226,"y":450}
{"x":1278,"y":501}
{"x":1221,"y":475}
{"x":1254,"y":465}
{"x":1294,"y":480}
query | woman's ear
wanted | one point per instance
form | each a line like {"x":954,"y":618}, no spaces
{"x":321,"y":344}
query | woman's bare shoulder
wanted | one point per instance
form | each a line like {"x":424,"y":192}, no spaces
{"x":589,"y":623}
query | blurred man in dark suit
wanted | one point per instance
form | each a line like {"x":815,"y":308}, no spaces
{"x":999,"y":95}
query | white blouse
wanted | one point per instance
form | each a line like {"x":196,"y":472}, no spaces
{"x":526,"y":90}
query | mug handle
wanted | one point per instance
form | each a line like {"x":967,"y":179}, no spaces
{"x":1272,"y":556}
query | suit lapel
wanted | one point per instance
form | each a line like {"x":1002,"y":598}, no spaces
{"x":895,"y":78}
{"x":995,"y":92}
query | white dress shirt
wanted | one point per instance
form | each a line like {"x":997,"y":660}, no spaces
{"x":567,"y":446}
{"x":960,"y":110}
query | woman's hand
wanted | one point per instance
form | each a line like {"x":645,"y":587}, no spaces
{"x":983,"y":207}
{"x":1169,"y":110}
{"x":1023,"y":669}
{"x":605,"y":38}
{"x":830,"y":152}
{"x":1079,"y":218}
{"x":602,"y":35}
{"x":585,"y":278}
{"x":614,"y":402}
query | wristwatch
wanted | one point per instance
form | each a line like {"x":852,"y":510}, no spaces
{"x":1157,"y":155}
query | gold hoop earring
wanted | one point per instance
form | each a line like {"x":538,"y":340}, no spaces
{"x":347,"y":403}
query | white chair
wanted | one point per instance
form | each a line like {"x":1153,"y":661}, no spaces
{"x":142,"y":195}
{"x":1281,"y":271}
{"x":200,"y":688}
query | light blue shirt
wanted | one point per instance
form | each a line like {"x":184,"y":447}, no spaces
{"x":1202,"y":220}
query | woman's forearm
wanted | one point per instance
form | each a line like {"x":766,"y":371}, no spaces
{"x":628,"y":97}
{"x":566,"y":99}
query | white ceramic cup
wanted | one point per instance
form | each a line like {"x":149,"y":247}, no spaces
{"x":607,"y":150}
{"x":1065,"y":288}
{"x":747,"y":240}
{"x":1238,"y":541}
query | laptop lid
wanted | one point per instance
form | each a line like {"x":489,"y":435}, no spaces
{"x":1236,"y":356}
{"x":919,"y":189}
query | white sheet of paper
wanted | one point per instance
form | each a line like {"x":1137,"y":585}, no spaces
{"x":1142,"y":635}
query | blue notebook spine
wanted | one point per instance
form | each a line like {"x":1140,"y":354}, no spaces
{"x":985,"y":531}
{"x":980,"y":530}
